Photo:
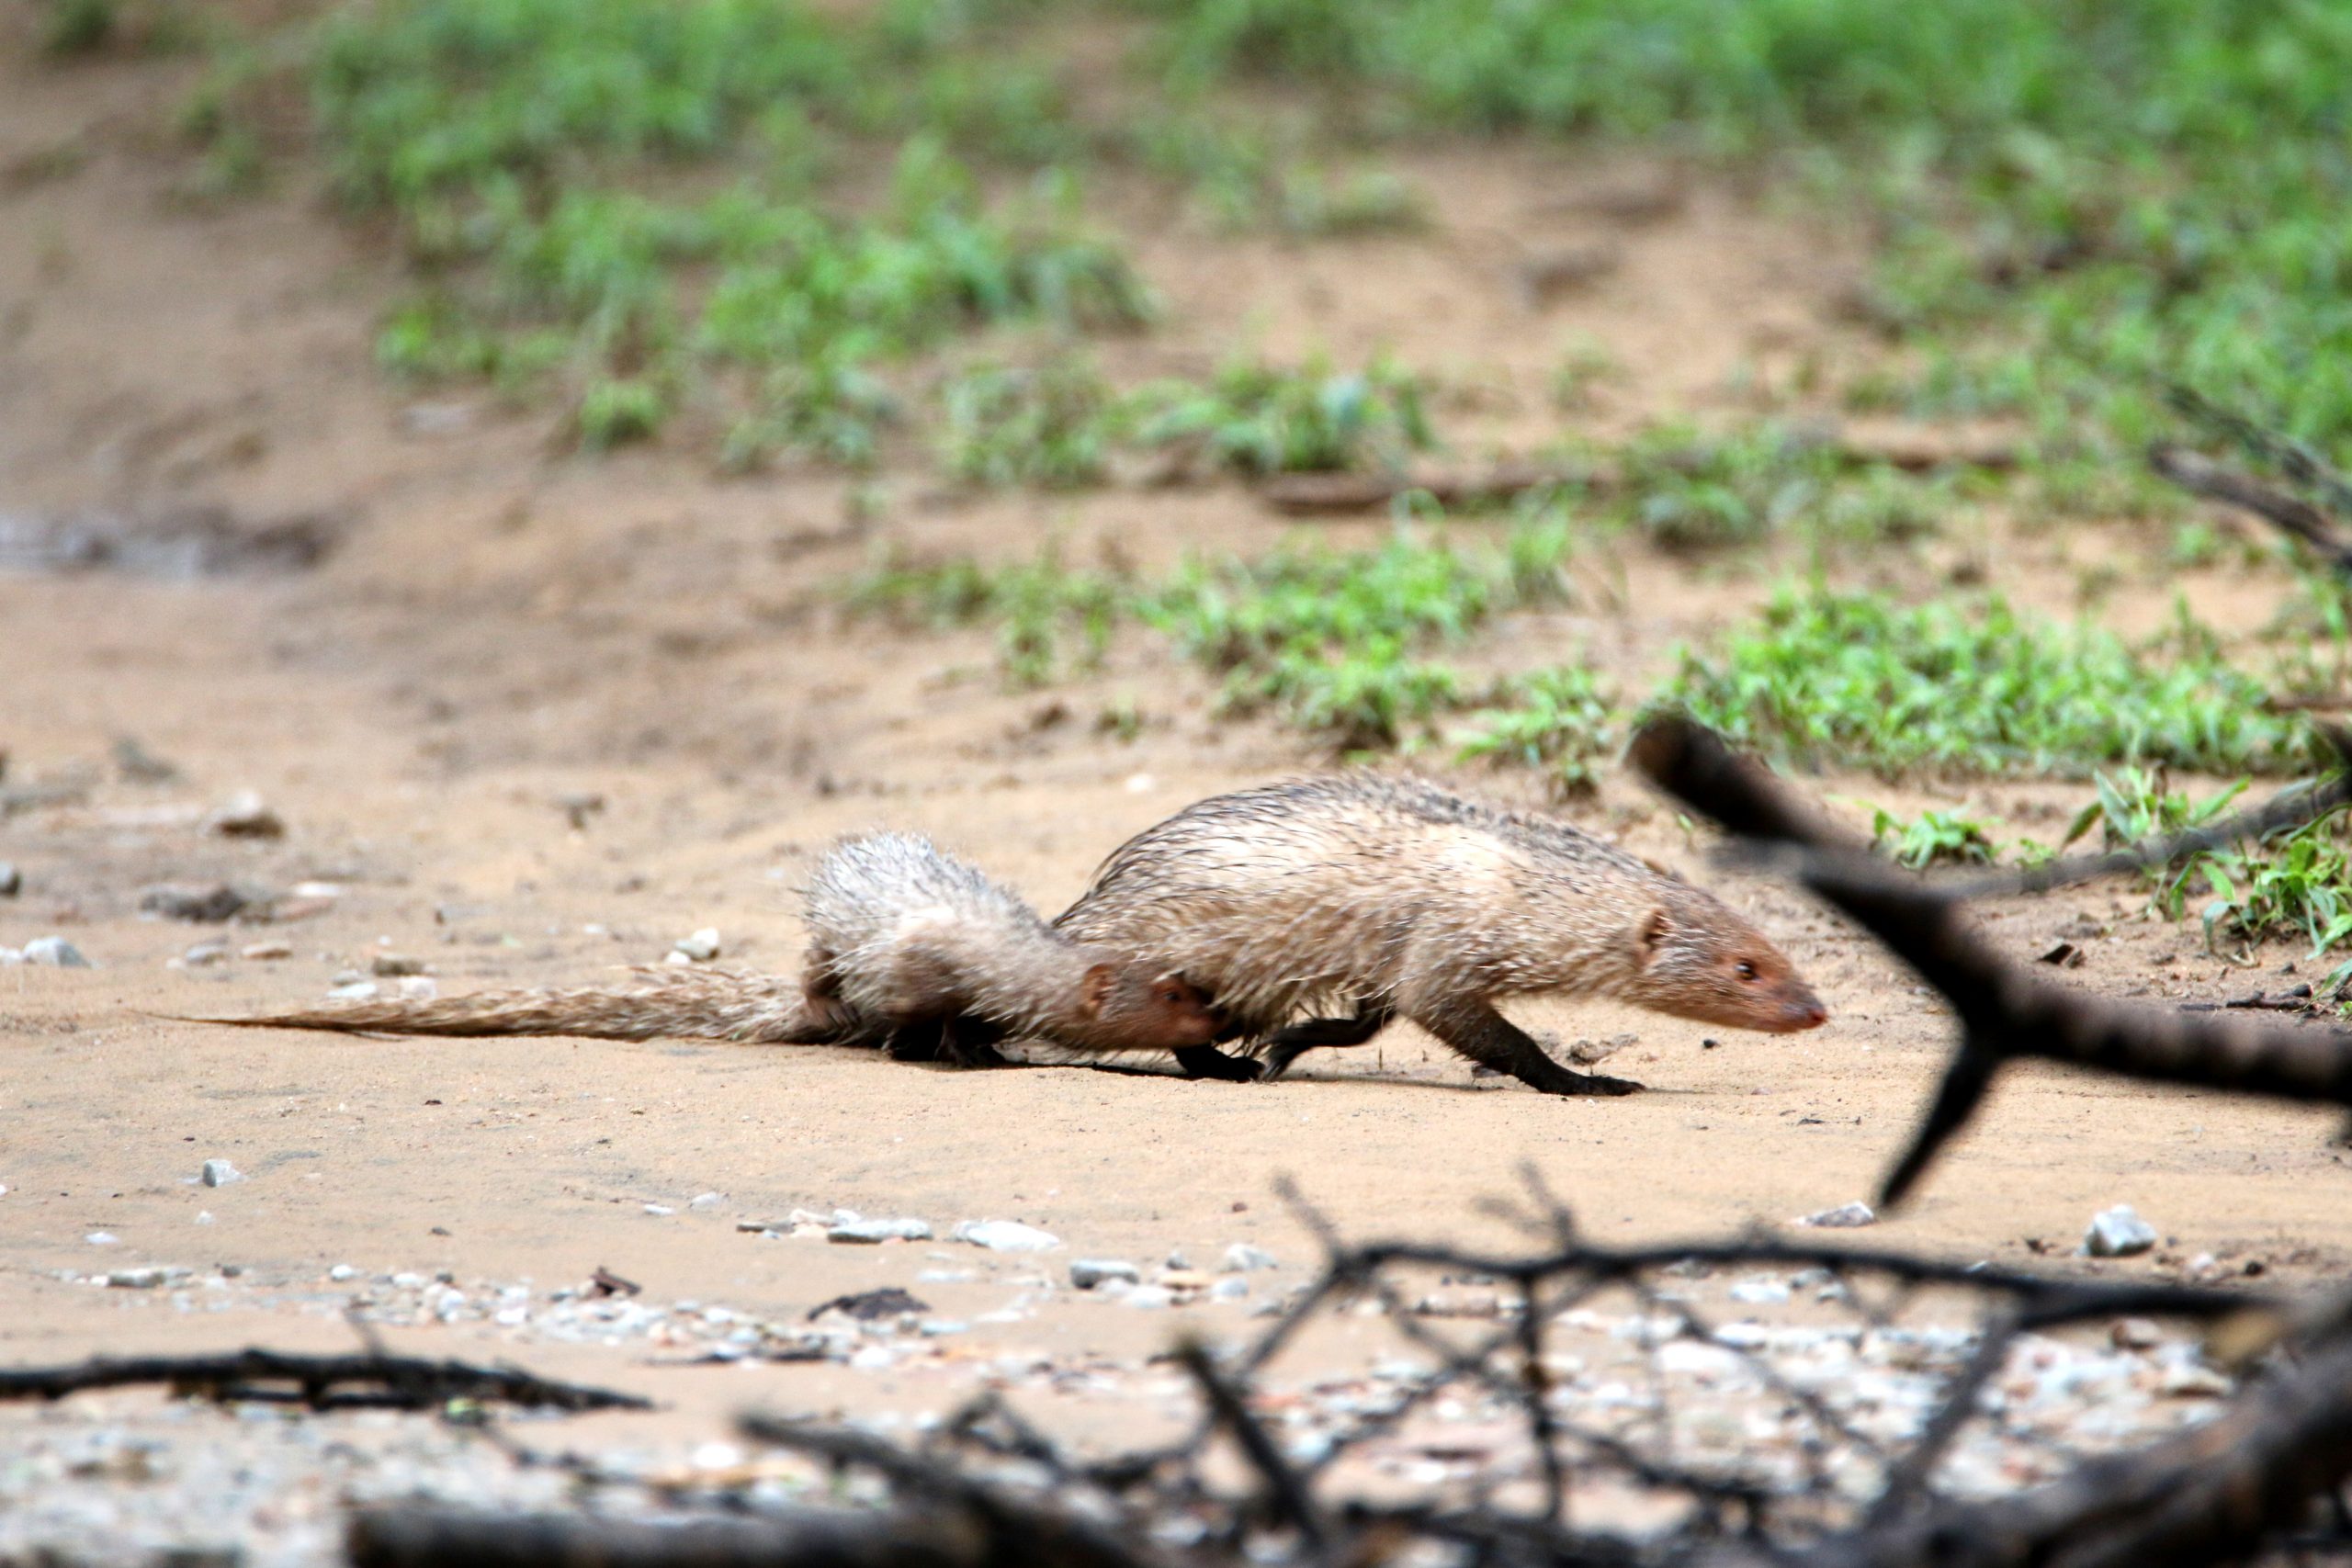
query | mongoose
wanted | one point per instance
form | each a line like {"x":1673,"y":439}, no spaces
{"x":1395,"y":898}
{"x":909,"y":948}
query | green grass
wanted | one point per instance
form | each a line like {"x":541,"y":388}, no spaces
{"x":2294,"y":884}
{"x":1339,"y":645}
{"x":1255,"y":418}
{"x":1933,"y":837}
{"x":1851,"y":680}
{"x":2149,"y":186}
{"x":1562,"y":723}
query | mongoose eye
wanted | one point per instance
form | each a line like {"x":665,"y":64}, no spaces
{"x":1745,"y":970}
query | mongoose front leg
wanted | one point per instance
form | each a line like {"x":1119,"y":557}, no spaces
{"x":968,"y":1042}
{"x":1285,"y":1045}
{"x":1208,"y":1062}
{"x":1473,"y":1028}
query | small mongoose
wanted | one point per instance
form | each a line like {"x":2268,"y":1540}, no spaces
{"x":909,"y":948}
{"x":1393,"y":897}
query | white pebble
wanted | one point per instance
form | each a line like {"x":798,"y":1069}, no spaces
{"x":705,"y":1201}
{"x":869,"y":1233}
{"x":55,"y":951}
{"x":220,"y":1173}
{"x":343,"y":1272}
{"x":1241,"y":1258}
{"x":699,"y":948}
{"x":1005,"y":1236}
{"x":1086,"y":1273}
{"x":2117,"y":1233}
{"x":101,"y":1238}
{"x":1846,"y":1216}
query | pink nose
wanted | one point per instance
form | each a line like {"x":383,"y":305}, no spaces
{"x":1809,"y":1015}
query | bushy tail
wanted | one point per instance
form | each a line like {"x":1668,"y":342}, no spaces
{"x":663,"y":1003}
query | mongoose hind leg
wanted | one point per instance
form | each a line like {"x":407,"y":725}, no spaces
{"x":1288,"y":1044}
{"x":1473,"y":1028}
{"x":1208,"y":1062}
{"x":953,"y":1041}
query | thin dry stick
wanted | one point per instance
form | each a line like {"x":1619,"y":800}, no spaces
{"x":323,"y":1382}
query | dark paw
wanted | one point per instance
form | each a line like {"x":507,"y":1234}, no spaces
{"x":1207,"y":1063}
{"x":1596,"y":1084}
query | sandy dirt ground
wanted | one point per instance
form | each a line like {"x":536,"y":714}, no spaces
{"x":504,"y":627}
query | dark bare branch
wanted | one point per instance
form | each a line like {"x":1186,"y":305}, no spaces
{"x":323,"y":1382}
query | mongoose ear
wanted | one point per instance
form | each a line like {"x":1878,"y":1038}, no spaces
{"x":1655,"y":928}
{"x":1095,"y":989}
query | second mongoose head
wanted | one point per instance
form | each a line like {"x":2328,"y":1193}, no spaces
{"x":1694,"y":958}
{"x":1126,"y":1004}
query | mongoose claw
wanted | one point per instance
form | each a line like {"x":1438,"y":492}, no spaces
{"x":1597,"y":1083}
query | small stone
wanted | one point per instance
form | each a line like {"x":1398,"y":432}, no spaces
{"x":12,"y":881}
{"x":660,"y":1210}
{"x":1150,"y":1297}
{"x":705,"y":1201}
{"x":139,"y":765}
{"x":220,"y":1173}
{"x":699,"y":948}
{"x":2134,"y":1333}
{"x":1845,"y":1216}
{"x":872,"y":1306}
{"x":197,"y":906}
{"x":873,"y":1233}
{"x":392,"y":966}
{"x":939,"y":1327}
{"x":55,"y":951}
{"x":246,"y":815}
{"x":578,"y":805}
{"x":2188,"y":1381}
{"x":341,"y":1272}
{"x":268,"y":951}
{"x":1585,"y":1052}
{"x":102,"y":1238}
{"x":1176,"y":1260}
{"x":1004,"y":1235}
{"x":353,"y":991}
{"x":417,"y":988}
{"x":1232,"y":1287}
{"x":1760,"y":1292}
{"x":2117,"y":1233}
{"x":1242,"y":1259}
{"x":203,"y":955}
{"x":1460,"y":1302}
{"x":145,"y":1278}
{"x":1085,"y":1274}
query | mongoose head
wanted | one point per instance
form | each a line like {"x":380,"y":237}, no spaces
{"x":1694,"y":958}
{"x":1125,"y":1004}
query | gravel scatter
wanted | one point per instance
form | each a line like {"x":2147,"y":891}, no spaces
{"x":55,"y":951}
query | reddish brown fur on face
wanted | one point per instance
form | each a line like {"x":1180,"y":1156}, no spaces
{"x":1703,"y":962}
{"x":1161,"y":1009}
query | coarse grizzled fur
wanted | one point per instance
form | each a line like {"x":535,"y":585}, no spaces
{"x":1379,"y":896}
{"x":909,"y":948}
